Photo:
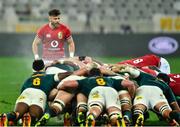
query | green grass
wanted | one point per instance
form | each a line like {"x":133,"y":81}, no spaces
{"x":14,"y":70}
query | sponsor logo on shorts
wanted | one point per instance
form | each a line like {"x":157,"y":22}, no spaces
{"x":138,"y":97}
{"x":163,"y":45}
{"x":21,"y":97}
{"x":95,"y":94}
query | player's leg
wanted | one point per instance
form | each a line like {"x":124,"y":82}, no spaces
{"x":21,"y":106}
{"x":36,"y":113}
{"x":60,"y":101}
{"x":113,"y":107}
{"x":96,"y":104}
{"x":52,"y":94}
{"x":163,"y":108}
{"x":81,"y":109}
{"x":140,"y":105}
{"x":57,"y":106}
{"x":126,"y":105}
{"x":36,"y":107}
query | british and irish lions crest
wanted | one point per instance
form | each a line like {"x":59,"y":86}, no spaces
{"x":60,"y":35}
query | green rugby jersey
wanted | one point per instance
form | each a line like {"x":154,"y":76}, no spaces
{"x":87,"y":84}
{"x":40,"y":80}
{"x":147,"y":79}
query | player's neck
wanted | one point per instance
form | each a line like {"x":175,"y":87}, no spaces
{"x":52,"y":26}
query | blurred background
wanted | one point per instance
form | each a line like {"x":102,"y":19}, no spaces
{"x":115,"y":27}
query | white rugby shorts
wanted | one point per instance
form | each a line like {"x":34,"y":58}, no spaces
{"x":32,"y":96}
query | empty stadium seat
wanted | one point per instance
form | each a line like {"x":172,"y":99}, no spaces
{"x":112,"y":12}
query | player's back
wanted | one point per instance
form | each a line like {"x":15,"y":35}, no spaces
{"x":147,"y":60}
{"x":40,"y":80}
{"x":87,"y":84}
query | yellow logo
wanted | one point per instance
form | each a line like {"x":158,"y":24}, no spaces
{"x":138,"y":97}
{"x":95,"y":94}
{"x":60,"y":35}
{"x":21,"y":98}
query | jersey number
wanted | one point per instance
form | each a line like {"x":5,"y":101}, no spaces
{"x":137,"y":61}
{"x":100,"y":81}
{"x":36,"y":81}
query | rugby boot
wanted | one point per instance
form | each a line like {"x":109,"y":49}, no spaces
{"x":105,"y":120}
{"x":90,"y":122}
{"x":81,"y":118}
{"x":174,"y":123}
{"x":127,"y":120}
{"x":67,"y":120}
{"x":44,"y":119}
{"x":139,"y":121}
{"x":26,"y":120}
{"x":120,"y":121}
{"x":3,"y":120}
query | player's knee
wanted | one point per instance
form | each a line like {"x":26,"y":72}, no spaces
{"x":164,"y":110}
{"x":114,"y":118}
{"x":96,"y":107}
{"x":82,"y":107}
{"x":57,"y":106}
{"x":125,"y":98}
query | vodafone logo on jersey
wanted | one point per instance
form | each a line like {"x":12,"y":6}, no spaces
{"x":54,"y":44}
{"x":163,"y":45}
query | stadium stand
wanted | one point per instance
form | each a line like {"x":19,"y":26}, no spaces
{"x":93,"y":15}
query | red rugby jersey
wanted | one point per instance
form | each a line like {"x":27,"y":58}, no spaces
{"x":147,"y":60}
{"x":53,"y":41}
{"x":175,"y":83}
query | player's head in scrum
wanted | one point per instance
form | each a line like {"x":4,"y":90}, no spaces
{"x":38,"y":65}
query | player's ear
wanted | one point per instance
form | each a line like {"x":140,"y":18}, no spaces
{"x":49,"y":17}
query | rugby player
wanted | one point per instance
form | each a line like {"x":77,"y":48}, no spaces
{"x":153,"y":93}
{"x":149,"y":60}
{"x":53,"y":36}
{"x":31,"y":103}
{"x":86,"y":85}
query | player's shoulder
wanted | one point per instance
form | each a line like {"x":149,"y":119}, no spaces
{"x":44,"y":26}
{"x":65,"y":26}
{"x":151,"y":56}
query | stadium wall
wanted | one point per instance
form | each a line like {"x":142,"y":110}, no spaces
{"x":99,"y":45}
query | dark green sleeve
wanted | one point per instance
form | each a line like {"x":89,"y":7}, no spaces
{"x":169,"y":95}
{"x":117,"y":85}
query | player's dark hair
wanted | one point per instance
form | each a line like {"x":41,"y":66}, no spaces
{"x":95,"y":72}
{"x":54,"y":12}
{"x":81,"y":58}
{"x":164,"y":77}
{"x":38,"y":65}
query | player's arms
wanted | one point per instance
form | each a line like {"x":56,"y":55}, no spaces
{"x":61,"y":76}
{"x":71,"y":84}
{"x":71,"y":46}
{"x":35,"y":43}
{"x":134,"y":73}
{"x":130,"y":85}
{"x":81,"y":72}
